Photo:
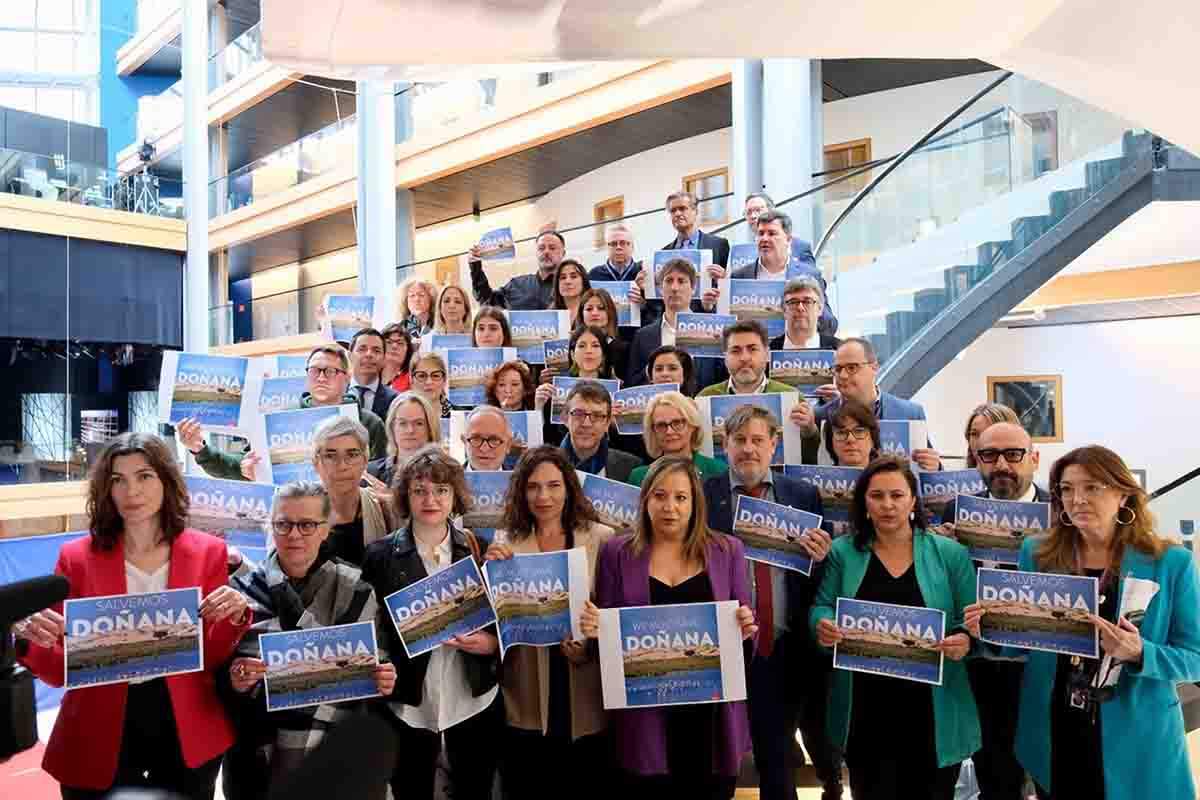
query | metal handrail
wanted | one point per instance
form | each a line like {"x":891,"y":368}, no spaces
{"x":1175,"y":484}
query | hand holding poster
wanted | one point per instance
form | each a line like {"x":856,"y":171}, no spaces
{"x":219,"y":392}
{"x":699,"y":259}
{"x":836,"y":487}
{"x":313,"y":666}
{"x":629,"y":315}
{"x":700,"y":334}
{"x":119,"y":638}
{"x":629,"y":405}
{"x":531,"y":328}
{"x":497,"y":245}
{"x":469,"y":369}
{"x":993,"y":530}
{"x":433,"y":610}
{"x":772,"y":532}
{"x":803,"y":369}
{"x":222,"y":507}
{"x":614,"y":501}
{"x":1039,"y":611}
{"x":754,"y":299}
{"x":538,"y":597}
{"x":715,"y":409}
{"x":281,"y":394}
{"x":563,"y":386}
{"x":286,"y":438}
{"x":557,"y":354}
{"x":939,"y":488}
{"x":671,"y":655}
{"x":346,"y":315}
{"x":887,"y":639}
{"x":487,"y":502}
{"x":901,"y":437}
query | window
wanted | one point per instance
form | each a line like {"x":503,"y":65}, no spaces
{"x":843,"y":157}
{"x":713,"y":183}
{"x":49,"y":57}
{"x":613,"y":208}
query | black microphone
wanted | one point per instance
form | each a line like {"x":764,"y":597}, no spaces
{"x":354,"y":761}
{"x":20,"y":599}
{"x":18,"y":714}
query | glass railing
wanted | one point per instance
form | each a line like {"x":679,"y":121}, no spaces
{"x":56,"y":178}
{"x":241,"y":54}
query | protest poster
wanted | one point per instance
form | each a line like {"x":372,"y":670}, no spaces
{"x":901,"y":436}
{"x":629,"y":315}
{"x":671,"y":655}
{"x":432,"y":342}
{"x":346,"y":315}
{"x":939,"y":488}
{"x":556,"y":354}
{"x":993,"y":530}
{"x":538,"y":597}
{"x":615,"y":501}
{"x":497,"y":245}
{"x":699,"y":259}
{"x":487,"y":490}
{"x":802,"y":261}
{"x":772,"y":532}
{"x":629,"y":405}
{"x":804,"y":370}
{"x":741,"y":256}
{"x":222,"y":507}
{"x":1038,"y":611}
{"x":315,"y":666}
{"x":123,"y":637}
{"x":469,"y":369}
{"x":281,"y":394}
{"x":562,"y":387}
{"x":836,"y":487}
{"x":887,"y":639}
{"x":526,"y":429}
{"x":219,"y":392}
{"x":284,"y":366}
{"x":453,"y":602}
{"x":286,"y":439}
{"x":716,"y":408}
{"x":754,"y":299}
{"x":531,"y":328}
{"x":700,"y":334}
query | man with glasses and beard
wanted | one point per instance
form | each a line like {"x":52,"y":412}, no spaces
{"x":588,"y":414}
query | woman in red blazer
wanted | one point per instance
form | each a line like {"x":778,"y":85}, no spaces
{"x":164,"y":733}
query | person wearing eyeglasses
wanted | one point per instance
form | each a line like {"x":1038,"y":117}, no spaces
{"x":588,"y":414}
{"x":621,"y":266}
{"x":299,"y":585}
{"x":412,"y":423}
{"x":803,"y":300}
{"x":398,"y":352}
{"x":358,"y":515}
{"x":488,"y":439}
{"x":672,"y":427}
{"x":451,"y":692}
{"x":328,"y":381}
{"x":429,"y":380}
{"x":851,"y":436}
{"x":552,"y":696}
{"x":982,"y":417}
{"x":1110,"y":728}
{"x":856,"y":372}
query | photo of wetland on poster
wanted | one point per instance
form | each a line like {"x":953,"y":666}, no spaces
{"x":671,"y":654}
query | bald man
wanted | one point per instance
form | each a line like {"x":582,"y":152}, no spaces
{"x":488,"y":439}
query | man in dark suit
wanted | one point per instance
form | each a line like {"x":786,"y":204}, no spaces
{"x":1007,"y":461}
{"x":588,"y":414}
{"x":803,"y":299}
{"x":366,"y":366}
{"x":684,"y":210}
{"x":788,"y":671}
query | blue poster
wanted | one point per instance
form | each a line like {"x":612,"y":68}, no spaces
{"x":671,"y":655}
{"x":538,"y":597}
{"x":289,"y":366}
{"x":497,"y":245}
{"x":617,"y":503}
{"x":899,"y":437}
{"x":887,"y":639}
{"x":556,"y":354}
{"x":281,"y":394}
{"x":802,"y":262}
{"x":119,"y":638}
{"x":699,"y":259}
{"x":223,"y":507}
{"x":526,"y":428}
{"x":347,"y":314}
{"x":700,"y":334}
{"x":721,"y":406}
{"x":488,"y":490}
{"x":449,"y":603}
{"x":469,"y":371}
{"x":993,"y":530}
{"x":773,"y":532}
{"x":629,"y":315}
{"x":314,"y":666}
{"x":629,"y":405}
{"x":741,"y":256}
{"x":531,"y":328}
{"x":1039,"y":611}
{"x":804,"y":370}
{"x":563,"y":386}
{"x":445,"y":341}
{"x":755,"y":299}
{"x":207,"y":388}
{"x":289,"y":436}
{"x":941,"y":487}
{"x":836,"y":487}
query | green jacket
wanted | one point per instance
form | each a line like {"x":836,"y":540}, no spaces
{"x":772,"y":387}
{"x":947,"y":580}
{"x":707,"y":467}
{"x":229,"y":465}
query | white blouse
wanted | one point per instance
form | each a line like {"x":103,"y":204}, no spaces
{"x":138,"y":582}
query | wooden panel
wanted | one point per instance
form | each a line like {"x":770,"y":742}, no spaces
{"x":33,"y":214}
{"x":1138,"y":283}
{"x":38,"y":508}
{"x":281,"y":345}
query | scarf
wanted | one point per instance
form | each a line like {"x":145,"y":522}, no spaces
{"x":592,"y":465}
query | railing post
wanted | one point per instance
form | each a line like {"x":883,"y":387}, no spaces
{"x":195,"y":174}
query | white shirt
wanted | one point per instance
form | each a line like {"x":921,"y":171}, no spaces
{"x":445,"y":695}
{"x":762,"y":385}
{"x":668,"y":332}
{"x":813,"y":342}
{"x":138,"y":582}
{"x":368,"y":392}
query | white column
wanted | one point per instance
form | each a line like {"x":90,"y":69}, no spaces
{"x":406,"y":232}
{"x":376,"y":160}
{"x":792,"y":145}
{"x":747,"y":158}
{"x":195,"y":174}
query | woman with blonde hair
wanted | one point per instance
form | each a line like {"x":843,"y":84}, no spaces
{"x":416,"y":307}
{"x":980,"y":419}
{"x":673,"y":557}
{"x":411,"y":424}
{"x":672,"y":428}
{"x":452,"y":314}
{"x":1110,"y":727}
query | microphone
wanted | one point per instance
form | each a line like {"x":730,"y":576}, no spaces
{"x":354,"y":761}
{"x":18,"y":714}
{"x":20,"y":599}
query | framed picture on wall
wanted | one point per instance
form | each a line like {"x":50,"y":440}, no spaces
{"x":1037,"y":399}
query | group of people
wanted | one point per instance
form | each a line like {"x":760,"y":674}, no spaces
{"x":386,"y":512}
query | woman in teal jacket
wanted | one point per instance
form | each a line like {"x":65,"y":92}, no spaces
{"x":1111,"y":728}
{"x":902,"y":739}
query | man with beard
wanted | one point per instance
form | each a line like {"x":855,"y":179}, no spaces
{"x":786,"y":673}
{"x":524,"y":292}
{"x":1007,"y":461}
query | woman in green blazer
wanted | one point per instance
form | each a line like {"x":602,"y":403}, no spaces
{"x":671,"y":426}
{"x":1110,"y":728}
{"x":902,"y":739}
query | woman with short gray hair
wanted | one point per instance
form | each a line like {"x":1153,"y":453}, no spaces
{"x":358,"y":516}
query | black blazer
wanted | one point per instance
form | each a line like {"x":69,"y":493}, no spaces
{"x":801,"y":589}
{"x":648,"y":339}
{"x":382,"y":401}
{"x":708,"y":241}
{"x":827,"y":342}
{"x":391,"y":564}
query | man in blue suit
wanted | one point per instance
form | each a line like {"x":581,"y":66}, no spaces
{"x":788,"y":678}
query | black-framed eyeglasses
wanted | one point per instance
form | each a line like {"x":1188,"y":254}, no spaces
{"x":846,"y":434}
{"x":328,"y":373}
{"x":675,"y":426}
{"x":594,"y":417}
{"x":423,"y":376}
{"x":336,"y":458}
{"x":490,"y":442}
{"x":307,"y":527}
{"x":1012,"y":455}
{"x":807,"y":303}
{"x":851,"y":368}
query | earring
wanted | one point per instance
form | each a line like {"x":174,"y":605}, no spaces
{"x":1064,"y":518}
{"x":912,"y":516}
{"x":1132,"y":516}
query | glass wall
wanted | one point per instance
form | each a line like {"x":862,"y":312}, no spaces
{"x":49,"y":58}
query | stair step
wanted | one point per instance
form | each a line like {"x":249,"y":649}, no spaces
{"x":883,"y":349}
{"x":930,"y":301}
{"x":1027,"y":230}
{"x":1099,"y":173}
{"x":904,"y":325}
{"x":993,"y":253}
{"x":1065,"y":201}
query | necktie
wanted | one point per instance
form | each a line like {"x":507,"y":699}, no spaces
{"x":362,"y":396}
{"x":764,"y":598}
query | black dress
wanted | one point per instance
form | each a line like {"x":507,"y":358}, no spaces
{"x":345,"y":542}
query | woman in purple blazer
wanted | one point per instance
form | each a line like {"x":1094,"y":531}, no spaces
{"x":674,"y":558}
